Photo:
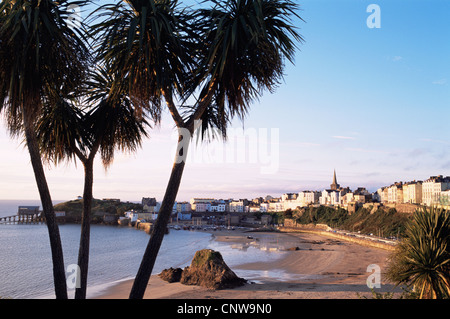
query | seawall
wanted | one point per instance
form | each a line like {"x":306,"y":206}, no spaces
{"x":324,"y":230}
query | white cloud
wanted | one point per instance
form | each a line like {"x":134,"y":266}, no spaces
{"x":300,"y":144}
{"x":344,"y":137}
{"x":434,"y":141}
{"x":440,"y":82}
{"x":395,"y":58}
{"x":364,"y":150}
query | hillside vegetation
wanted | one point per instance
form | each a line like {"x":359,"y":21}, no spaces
{"x":385,"y":223}
{"x":74,"y":208}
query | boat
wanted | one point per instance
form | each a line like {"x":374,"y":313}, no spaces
{"x":123,"y":221}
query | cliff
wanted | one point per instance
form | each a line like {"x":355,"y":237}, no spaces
{"x":74,"y":209}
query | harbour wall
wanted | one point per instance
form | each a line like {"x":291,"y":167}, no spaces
{"x":324,"y":230}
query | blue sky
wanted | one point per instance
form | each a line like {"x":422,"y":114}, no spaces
{"x":374,"y":104}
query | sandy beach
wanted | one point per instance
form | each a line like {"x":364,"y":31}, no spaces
{"x":320,"y":268}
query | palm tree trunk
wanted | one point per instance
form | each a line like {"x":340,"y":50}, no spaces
{"x":59,"y":274}
{"x":83,"y":252}
{"x":159,"y":229}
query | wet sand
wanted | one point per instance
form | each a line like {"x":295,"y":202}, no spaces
{"x":320,"y":268}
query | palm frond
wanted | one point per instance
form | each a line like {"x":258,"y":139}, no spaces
{"x":245,"y":45}
{"x":41,"y":58}
{"x":423,"y":258}
{"x":114,"y":121}
{"x":60,"y":132}
{"x":116,"y":127}
{"x":145,"y":43}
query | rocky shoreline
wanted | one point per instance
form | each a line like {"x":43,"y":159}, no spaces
{"x":207,"y":269}
{"x":320,"y":268}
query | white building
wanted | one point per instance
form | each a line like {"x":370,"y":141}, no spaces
{"x":202,"y":207}
{"x":237,"y":206}
{"x":445,"y":199}
{"x":395,"y":193}
{"x":301,"y":199}
{"x":276,"y":206}
{"x":432,"y":189}
{"x":254,"y":208}
{"x":347,"y":198}
{"x":412,"y":192}
{"x":201,"y":201}
{"x":383,"y":194}
{"x":218,"y":206}
{"x":289,"y":196}
{"x":334,"y":195}
{"x":308,"y":197}
{"x":330,"y":197}
{"x":288,"y":201}
{"x":264,"y":207}
{"x":134,"y":215}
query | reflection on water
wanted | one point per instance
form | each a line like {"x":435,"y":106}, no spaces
{"x":264,"y":248}
{"x":258,"y":276}
{"x":270,"y":243}
{"x":115,"y":255}
{"x":256,"y":250}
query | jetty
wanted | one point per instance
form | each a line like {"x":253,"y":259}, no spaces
{"x":31,"y":215}
{"x":23,"y":219}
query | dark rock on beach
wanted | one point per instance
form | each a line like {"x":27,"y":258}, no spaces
{"x":171,"y":274}
{"x":207,"y":269}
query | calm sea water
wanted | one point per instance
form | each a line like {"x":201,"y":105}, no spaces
{"x":115,"y":255}
{"x":10,"y":207}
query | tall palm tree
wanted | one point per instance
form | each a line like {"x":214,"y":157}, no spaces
{"x":422,"y":259}
{"x":41,"y":57}
{"x":224,"y":57}
{"x":66,"y":131}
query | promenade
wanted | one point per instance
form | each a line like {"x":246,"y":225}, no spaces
{"x":319,"y":267}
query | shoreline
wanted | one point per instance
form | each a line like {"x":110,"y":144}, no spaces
{"x":311,"y":266}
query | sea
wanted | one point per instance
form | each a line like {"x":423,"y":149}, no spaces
{"x":115,"y":254}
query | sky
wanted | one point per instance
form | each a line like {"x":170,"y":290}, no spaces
{"x":368,"y":96}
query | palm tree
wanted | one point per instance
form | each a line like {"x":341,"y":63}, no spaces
{"x":65,"y":131}
{"x":422,"y":259}
{"x":41,"y":57}
{"x":224,"y":57}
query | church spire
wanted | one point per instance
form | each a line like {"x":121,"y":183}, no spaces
{"x":334,"y":185}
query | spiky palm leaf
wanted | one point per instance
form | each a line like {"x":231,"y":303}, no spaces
{"x":245,"y":45}
{"x":145,"y":41}
{"x":41,"y":56}
{"x":41,"y":59}
{"x":104,"y":125}
{"x":115,"y":122}
{"x":67,"y":128}
{"x":236,"y":56}
{"x":61,"y":131}
{"x":422,"y":260}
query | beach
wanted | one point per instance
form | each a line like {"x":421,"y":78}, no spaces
{"x":311,"y":267}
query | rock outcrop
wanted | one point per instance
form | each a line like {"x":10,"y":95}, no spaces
{"x":207,"y":269}
{"x":171,"y":274}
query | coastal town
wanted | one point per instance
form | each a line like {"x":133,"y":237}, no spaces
{"x":405,"y":197}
